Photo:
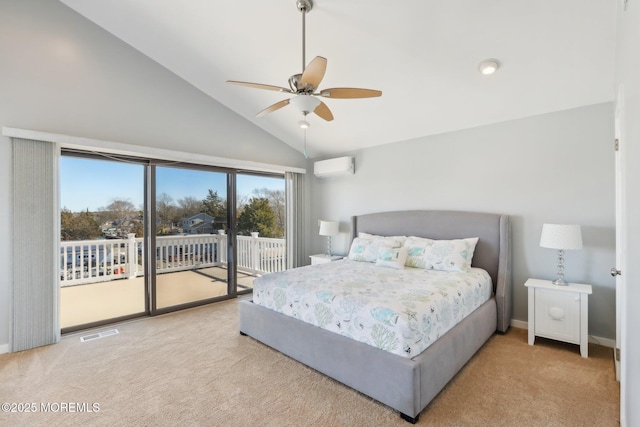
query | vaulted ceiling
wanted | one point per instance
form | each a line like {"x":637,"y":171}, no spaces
{"x":422,"y":54}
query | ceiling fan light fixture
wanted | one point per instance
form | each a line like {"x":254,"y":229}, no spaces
{"x":489,"y":66}
{"x":304,"y":86}
{"x":304,"y":124}
{"x":304,"y":103}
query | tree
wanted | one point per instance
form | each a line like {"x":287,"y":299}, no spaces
{"x":189,"y":206}
{"x":165,"y":210}
{"x":278,"y":205}
{"x":122,"y":213}
{"x":258,"y":216}
{"x":216,"y":207}
{"x":78,"y":226}
{"x":137,"y":228}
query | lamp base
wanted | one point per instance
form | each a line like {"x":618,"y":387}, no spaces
{"x":560,"y":276}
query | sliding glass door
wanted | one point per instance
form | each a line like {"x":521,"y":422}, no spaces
{"x":191,"y":236}
{"x":260,"y":214}
{"x":140,"y":238}
{"x":102,"y":240}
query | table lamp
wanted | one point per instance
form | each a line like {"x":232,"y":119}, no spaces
{"x":561,"y":237}
{"x":328,"y":228}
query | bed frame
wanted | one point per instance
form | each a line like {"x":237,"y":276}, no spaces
{"x":407,"y":385}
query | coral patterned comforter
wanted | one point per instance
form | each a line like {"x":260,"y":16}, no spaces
{"x":400,"y":311}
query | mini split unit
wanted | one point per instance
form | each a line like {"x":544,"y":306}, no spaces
{"x":334,"y":167}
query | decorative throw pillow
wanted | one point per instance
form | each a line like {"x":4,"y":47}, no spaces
{"x":415,"y":255}
{"x":392,"y":257}
{"x":446,"y":255}
{"x":366,"y":249}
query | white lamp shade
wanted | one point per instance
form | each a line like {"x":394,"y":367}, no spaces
{"x":561,"y":236}
{"x":328,"y":228}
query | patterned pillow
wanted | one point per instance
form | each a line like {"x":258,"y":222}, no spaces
{"x":446,"y":255}
{"x":390,"y":239}
{"x":392,"y":257}
{"x":366,"y":249}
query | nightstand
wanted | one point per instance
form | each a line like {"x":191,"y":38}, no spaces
{"x":323,"y":258}
{"x":559,"y":312}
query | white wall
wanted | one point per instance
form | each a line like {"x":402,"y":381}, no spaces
{"x":556,"y":168}
{"x":628,"y":78}
{"x":60,"y":73}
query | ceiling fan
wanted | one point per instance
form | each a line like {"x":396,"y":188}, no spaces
{"x":305,"y":85}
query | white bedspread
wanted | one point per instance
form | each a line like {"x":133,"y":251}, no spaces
{"x":400,"y":311}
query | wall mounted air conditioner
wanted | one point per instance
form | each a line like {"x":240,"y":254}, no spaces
{"x":334,"y":167}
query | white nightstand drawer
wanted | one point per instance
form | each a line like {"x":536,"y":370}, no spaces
{"x":557,"y":315}
{"x":559,"y":312}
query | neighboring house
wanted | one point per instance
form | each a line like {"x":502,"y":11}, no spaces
{"x":198,"y":224}
{"x":110,"y":232}
{"x":113,"y":230}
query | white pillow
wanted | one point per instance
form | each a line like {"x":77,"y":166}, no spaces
{"x":446,"y":255}
{"x":391,"y":239}
{"x":392,"y":257}
{"x":366,"y":249}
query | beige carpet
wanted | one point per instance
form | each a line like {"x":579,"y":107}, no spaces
{"x":193,"y":368}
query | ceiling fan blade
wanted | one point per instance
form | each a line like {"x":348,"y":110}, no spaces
{"x":314,"y":73}
{"x":349,"y":92}
{"x":274,"y":107}
{"x":323,"y":111}
{"x":259,"y":86}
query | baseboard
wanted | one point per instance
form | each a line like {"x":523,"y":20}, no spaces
{"x":519,"y":324}
{"x":4,"y":348}
{"x":605,"y":342}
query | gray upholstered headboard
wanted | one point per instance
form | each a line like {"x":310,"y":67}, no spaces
{"x":493,"y":251}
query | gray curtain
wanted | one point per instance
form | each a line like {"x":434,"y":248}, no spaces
{"x":295,"y":228}
{"x":35,"y":244}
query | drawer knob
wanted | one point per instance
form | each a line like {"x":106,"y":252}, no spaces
{"x":556,"y":313}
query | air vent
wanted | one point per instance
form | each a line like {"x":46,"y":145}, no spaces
{"x":99,"y":335}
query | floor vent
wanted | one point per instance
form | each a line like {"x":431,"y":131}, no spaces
{"x":99,"y":335}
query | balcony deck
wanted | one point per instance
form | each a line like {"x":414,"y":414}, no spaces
{"x":103,"y":279}
{"x":82,"y":304}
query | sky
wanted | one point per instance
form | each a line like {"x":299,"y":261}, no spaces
{"x":93,"y":184}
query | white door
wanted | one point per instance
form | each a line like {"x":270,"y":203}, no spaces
{"x":619,"y":268}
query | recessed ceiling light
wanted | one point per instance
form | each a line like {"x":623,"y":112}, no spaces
{"x":489,"y":66}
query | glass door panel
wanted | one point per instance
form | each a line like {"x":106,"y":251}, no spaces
{"x":190,"y":236}
{"x":101,"y":241}
{"x":260,"y":216}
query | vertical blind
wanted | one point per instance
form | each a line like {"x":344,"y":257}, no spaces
{"x":295,"y":228}
{"x":35,"y":244}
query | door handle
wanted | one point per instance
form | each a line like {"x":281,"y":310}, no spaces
{"x":615,"y":272}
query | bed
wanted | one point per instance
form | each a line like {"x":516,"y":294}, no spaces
{"x":406,"y":384}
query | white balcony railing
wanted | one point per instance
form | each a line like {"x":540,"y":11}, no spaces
{"x":92,"y":261}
